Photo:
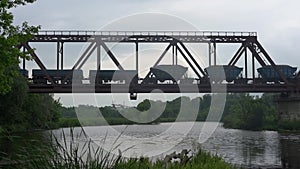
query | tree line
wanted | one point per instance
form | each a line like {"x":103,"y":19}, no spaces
{"x":241,"y":111}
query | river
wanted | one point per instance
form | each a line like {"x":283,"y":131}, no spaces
{"x":251,"y":149}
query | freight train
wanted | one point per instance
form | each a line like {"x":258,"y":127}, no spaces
{"x":160,"y":74}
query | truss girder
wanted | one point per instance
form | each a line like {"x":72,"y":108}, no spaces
{"x":176,"y":40}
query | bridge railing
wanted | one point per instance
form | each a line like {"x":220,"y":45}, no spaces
{"x":146,"y":33}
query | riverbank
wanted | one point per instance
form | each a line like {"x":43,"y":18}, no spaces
{"x":65,"y":152}
{"x":75,"y":122}
{"x":201,"y":160}
{"x":283,"y":126}
{"x":237,"y":147}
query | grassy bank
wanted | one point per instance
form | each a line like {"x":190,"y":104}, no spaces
{"x":289,"y":126}
{"x":282,"y":126}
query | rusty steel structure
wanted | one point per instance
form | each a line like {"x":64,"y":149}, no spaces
{"x":176,"y":42}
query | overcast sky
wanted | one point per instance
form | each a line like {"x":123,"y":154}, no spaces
{"x":276,"y":21}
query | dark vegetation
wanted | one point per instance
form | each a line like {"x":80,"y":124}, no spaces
{"x":10,"y":37}
{"x":21,"y":111}
{"x":242,"y":111}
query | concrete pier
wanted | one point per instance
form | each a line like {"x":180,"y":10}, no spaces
{"x":289,"y":107}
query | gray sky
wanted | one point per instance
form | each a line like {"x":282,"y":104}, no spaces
{"x":276,"y":21}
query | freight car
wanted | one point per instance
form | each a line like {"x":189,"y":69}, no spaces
{"x":269,"y":74}
{"x":40,"y":76}
{"x":164,"y":73}
{"x":219,"y":73}
{"x":109,"y":76}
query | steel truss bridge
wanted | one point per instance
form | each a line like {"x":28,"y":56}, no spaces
{"x":176,"y":43}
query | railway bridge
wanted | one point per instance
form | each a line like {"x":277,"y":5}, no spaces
{"x":264,"y":75}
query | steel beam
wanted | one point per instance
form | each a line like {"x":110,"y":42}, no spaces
{"x":162,"y":55}
{"x":111,"y":55}
{"x":62,"y":56}
{"x":157,"y":62}
{"x":215,"y":53}
{"x":57,"y":55}
{"x":83,"y":55}
{"x":87,"y":56}
{"x":246,"y":62}
{"x":38,"y":61}
{"x":193,"y":59}
{"x":173,"y":55}
{"x":190,"y":64}
{"x":256,"y":55}
{"x":253,"y":67}
{"x":98,"y":56}
{"x":176,"y":54}
{"x":271,"y":62}
{"x":137,"y":56}
{"x":209,"y":54}
{"x":236,"y":56}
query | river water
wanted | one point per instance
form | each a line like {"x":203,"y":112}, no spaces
{"x":251,"y":149}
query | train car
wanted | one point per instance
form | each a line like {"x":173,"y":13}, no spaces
{"x":24,"y":72}
{"x":269,"y":74}
{"x":231,"y":73}
{"x":39,"y":76}
{"x":108,"y":76}
{"x":168,"y":72}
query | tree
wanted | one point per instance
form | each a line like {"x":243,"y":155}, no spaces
{"x":11,"y":37}
{"x":144,"y":105}
{"x":250,"y":113}
{"x":11,"y":103}
{"x":20,"y":110}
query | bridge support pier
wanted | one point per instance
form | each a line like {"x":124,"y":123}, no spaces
{"x":289,"y":107}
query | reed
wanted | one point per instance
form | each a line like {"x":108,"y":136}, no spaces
{"x":64,"y":151}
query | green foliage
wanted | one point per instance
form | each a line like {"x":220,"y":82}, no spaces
{"x":144,"y":105}
{"x":67,"y":112}
{"x":251,"y":113}
{"x":20,"y":110}
{"x":242,"y":111}
{"x":11,"y":104}
{"x":11,"y":37}
{"x":293,"y":125}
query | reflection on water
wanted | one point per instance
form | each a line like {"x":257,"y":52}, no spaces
{"x":246,"y":148}
{"x":243,"y":148}
{"x":290,"y":150}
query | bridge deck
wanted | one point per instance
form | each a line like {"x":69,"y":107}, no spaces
{"x":144,"y":36}
{"x":166,"y":88}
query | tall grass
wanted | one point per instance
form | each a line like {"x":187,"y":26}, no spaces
{"x":67,"y":151}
